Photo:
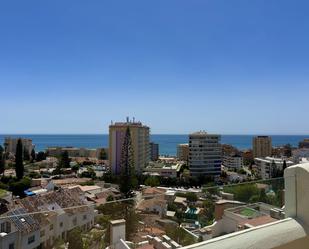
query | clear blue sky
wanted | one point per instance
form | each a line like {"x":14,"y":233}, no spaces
{"x":230,"y":67}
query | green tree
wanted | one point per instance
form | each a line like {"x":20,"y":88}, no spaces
{"x":90,"y":173}
{"x":208,"y":212}
{"x":152,"y":181}
{"x":64,"y":160}
{"x":179,"y":235}
{"x":120,"y":210}
{"x":75,"y":239}
{"x":287,"y":150}
{"x":2,"y":160}
{"x":244,"y":192}
{"x":18,"y":187}
{"x":40,"y":156}
{"x":32,"y":155}
{"x":103,"y":154}
{"x":128,"y":180}
{"x":26,"y":154}
{"x":19,"y":164}
{"x":110,"y":198}
{"x":284,"y":166}
{"x":191,"y":197}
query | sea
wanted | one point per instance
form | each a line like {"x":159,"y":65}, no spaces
{"x":167,"y":143}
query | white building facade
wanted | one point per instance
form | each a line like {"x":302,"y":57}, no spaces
{"x":33,"y":231}
{"x":265,"y":165}
{"x":232,"y":161}
{"x":205,"y":154}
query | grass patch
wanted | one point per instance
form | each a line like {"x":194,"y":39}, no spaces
{"x":2,"y":193}
{"x":248,"y":212}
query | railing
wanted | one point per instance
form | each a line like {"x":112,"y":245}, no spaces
{"x":160,"y":217}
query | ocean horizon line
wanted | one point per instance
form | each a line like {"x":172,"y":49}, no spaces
{"x":168,"y":134}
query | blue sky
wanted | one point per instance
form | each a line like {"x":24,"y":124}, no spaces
{"x":230,"y":67}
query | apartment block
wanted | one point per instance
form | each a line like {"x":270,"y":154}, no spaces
{"x":233,"y":161}
{"x":205,"y":154}
{"x":75,"y":152}
{"x":265,"y":165}
{"x":140,"y":144}
{"x":262,"y":146}
{"x":154,"y":151}
{"x":11,"y":143}
{"x":183,"y":152}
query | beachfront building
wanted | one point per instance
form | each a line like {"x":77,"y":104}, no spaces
{"x":75,"y":152}
{"x":154,"y":151}
{"x":11,"y":143}
{"x":232,"y":161}
{"x":262,"y":146}
{"x":140,"y":144}
{"x":265,"y":166}
{"x":205,"y":154}
{"x":183,"y":152}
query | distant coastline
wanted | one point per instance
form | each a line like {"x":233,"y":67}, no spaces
{"x":167,"y":143}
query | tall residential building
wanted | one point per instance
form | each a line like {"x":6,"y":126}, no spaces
{"x":154,"y":151}
{"x":140,"y":144}
{"x":183,"y":152}
{"x":262,"y":146}
{"x":205,"y":154}
{"x":11,"y":143}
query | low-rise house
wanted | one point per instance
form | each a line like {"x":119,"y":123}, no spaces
{"x":241,"y":217}
{"x":37,"y":221}
{"x":152,"y":192}
{"x":154,"y":205}
{"x":71,"y":181}
{"x":181,"y":201}
{"x":163,"y":169}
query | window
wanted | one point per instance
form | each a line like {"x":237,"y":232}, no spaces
{"x":11,"y":246}
{"x":84,"y":217}
{"x":61,"y":224}
{"x":51,"y":226}
{"x":31,"y":239}
{"x":42,"y":233}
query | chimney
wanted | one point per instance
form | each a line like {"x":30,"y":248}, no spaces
{"x":117,"y":233}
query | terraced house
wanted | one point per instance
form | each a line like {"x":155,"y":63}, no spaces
{"x":38,"y":221}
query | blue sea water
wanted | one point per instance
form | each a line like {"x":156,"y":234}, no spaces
{"x":167,"y":143}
